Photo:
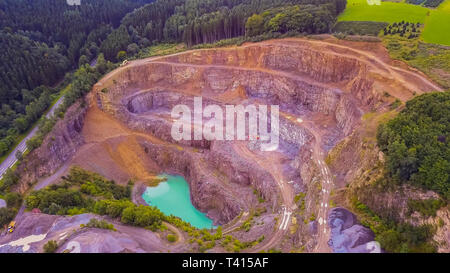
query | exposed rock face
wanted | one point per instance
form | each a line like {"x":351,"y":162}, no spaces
{"x":347,"y":235}
{"x":58,"y":147}
{"x":35,"y":230}
{"x":277,"y":88}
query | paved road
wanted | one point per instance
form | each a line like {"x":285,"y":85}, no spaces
{"x":22,"y":147}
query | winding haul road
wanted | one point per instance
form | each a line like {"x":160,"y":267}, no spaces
{"x":323,"y":233}
{"x":22,"y":146}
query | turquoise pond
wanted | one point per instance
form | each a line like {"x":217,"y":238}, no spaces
{"x":173,"y":197}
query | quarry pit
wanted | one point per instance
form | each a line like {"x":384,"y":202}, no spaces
{"x":322,"y":88}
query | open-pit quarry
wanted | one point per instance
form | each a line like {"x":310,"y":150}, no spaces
{"x":322,"y":88}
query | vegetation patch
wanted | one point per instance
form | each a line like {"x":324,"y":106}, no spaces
{"x":427,"y":208}
{"x":359,"y":27}
{"x":6,"y":216}
{"x":417,"y":143}
{"x":404,"y":29}
{"x":51,"y":246}
{"x":393,"y":236}
{"x":433,"y":60}
{"x":390,"y":12}
{"x":95,"y":223}
{"x":171,"y":238}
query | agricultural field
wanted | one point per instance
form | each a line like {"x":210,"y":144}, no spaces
{"x":390,"y":12}
{"x":436,"y":21}
{"x":437,"y":25}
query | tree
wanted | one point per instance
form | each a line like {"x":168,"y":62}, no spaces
{"x":171,"y":238}
{"x":21,"y":123}
{"x":121,"y":56}
{"x":50,"y":247}
{"x":83,"y":60}
{"x":9,"y":179}
{"x":117,"y":41}
{"x":132,"y":49}
{"x":6,"y":215}
{"x":13,"y":199}
{"x":101,"y":64}
{"x":254,"y":25}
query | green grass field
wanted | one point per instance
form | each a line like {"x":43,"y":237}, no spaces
{"x":390,"y":12}
{"x":437,"y":21}
{"x":437,"y":25}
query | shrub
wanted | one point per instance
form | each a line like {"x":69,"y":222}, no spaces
{"x":94,"y":223}
{"x":426,"y":207}
{"x":50,"y":247}
{"x":171,"y":238}
{"x":6,"y":216}
{"x":13,"y":200}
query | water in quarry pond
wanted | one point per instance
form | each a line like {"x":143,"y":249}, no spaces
{"x":173,"y":197}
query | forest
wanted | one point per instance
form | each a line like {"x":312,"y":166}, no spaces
{"x":40,"y":41}
{"x":416,"y":143}
{"x":207,"y":21}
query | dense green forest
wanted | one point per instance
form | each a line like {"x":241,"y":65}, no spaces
{"x":39,"y":42}
{"x":417,"y":143}
{"x":206,"y":21}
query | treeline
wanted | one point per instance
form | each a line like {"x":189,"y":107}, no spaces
{"x":303,"y":19}
{"x":198,"y":21}
{"x":80,"y":84}
{"x":41,"y":40}
{"x":417,"y":143}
